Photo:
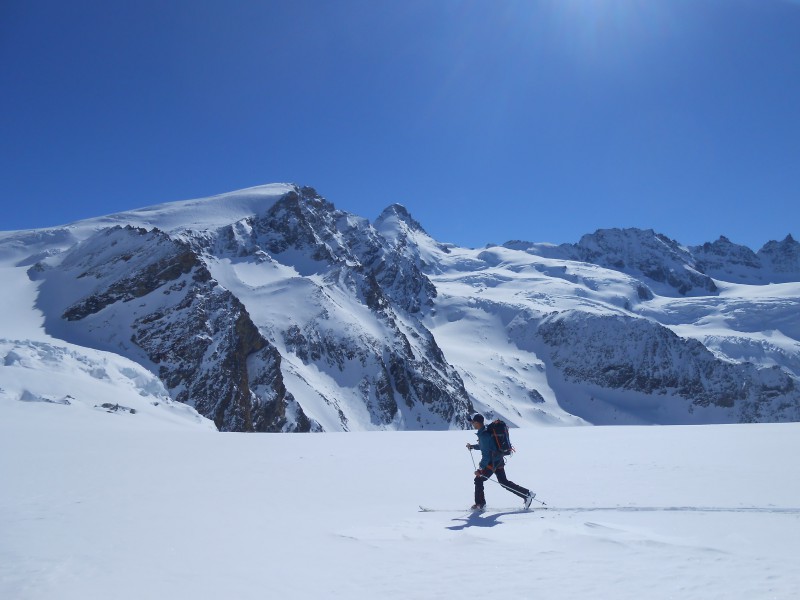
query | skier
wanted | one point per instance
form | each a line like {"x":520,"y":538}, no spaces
{"x":492,"y":462}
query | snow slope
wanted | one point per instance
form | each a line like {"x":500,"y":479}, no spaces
{"x":75,"y":381}
{"x":127,"y":512}
{"x":60,"y":380}
{"x":347,"y":325}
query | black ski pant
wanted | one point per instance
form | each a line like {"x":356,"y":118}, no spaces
{"x":484,"y":474}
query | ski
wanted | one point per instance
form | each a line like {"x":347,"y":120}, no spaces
{"x":515,"y":509}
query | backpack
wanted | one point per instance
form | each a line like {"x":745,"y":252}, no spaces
{"x":499,"y":431}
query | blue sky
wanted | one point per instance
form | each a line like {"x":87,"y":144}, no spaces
{"x":490,"y":120}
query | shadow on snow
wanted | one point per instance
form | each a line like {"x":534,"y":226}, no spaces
{"x":482,"y":519}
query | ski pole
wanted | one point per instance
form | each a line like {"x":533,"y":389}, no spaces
{"x":486,"y":478}
{"x":497,"y":482}
{"x":474,"y":466}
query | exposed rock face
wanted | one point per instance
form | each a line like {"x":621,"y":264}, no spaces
{"x":628,"y":353}
{"x":295,"y":316}
{"x":776,"y":262}
{"x":209,"y":353}
{"x":662,"y":262}
{"x":671,"y":268}
{"x":728,"y":261}
{"x":782,"y":258}
{"x":400,"y":372}
{"x":198,"y":337}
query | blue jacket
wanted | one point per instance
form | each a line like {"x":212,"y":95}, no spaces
{"x":490,"y":453}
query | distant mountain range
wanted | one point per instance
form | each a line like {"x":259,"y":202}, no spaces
{"x":268,"y":309}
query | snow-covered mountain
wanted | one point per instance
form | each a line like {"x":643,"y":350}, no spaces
{"x":268,"y":309}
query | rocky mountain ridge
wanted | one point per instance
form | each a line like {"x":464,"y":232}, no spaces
{"x":673,"y":269}
{"x":271,"y":310}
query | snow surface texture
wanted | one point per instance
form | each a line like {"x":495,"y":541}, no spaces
{"x":127,"y":512}
{"x":268,"y":309}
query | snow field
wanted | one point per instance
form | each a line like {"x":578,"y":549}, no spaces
{"x":636,"y":512}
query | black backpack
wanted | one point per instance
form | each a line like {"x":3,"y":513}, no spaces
{"x":499,"y":431}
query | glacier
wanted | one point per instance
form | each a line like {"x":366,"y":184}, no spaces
{"x":268,"y":309}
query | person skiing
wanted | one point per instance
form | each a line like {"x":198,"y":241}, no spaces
{"x":492,"y":462}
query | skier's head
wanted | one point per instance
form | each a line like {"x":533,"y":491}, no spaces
{"x":477,"y":419}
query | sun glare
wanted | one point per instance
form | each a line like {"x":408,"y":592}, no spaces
{"x":605,"y":31}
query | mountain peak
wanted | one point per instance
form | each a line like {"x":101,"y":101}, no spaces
{"x":728,"y":261}
{"x":643,"y":252}
{"x":783,"y":256}
{"x":399,"y":213}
